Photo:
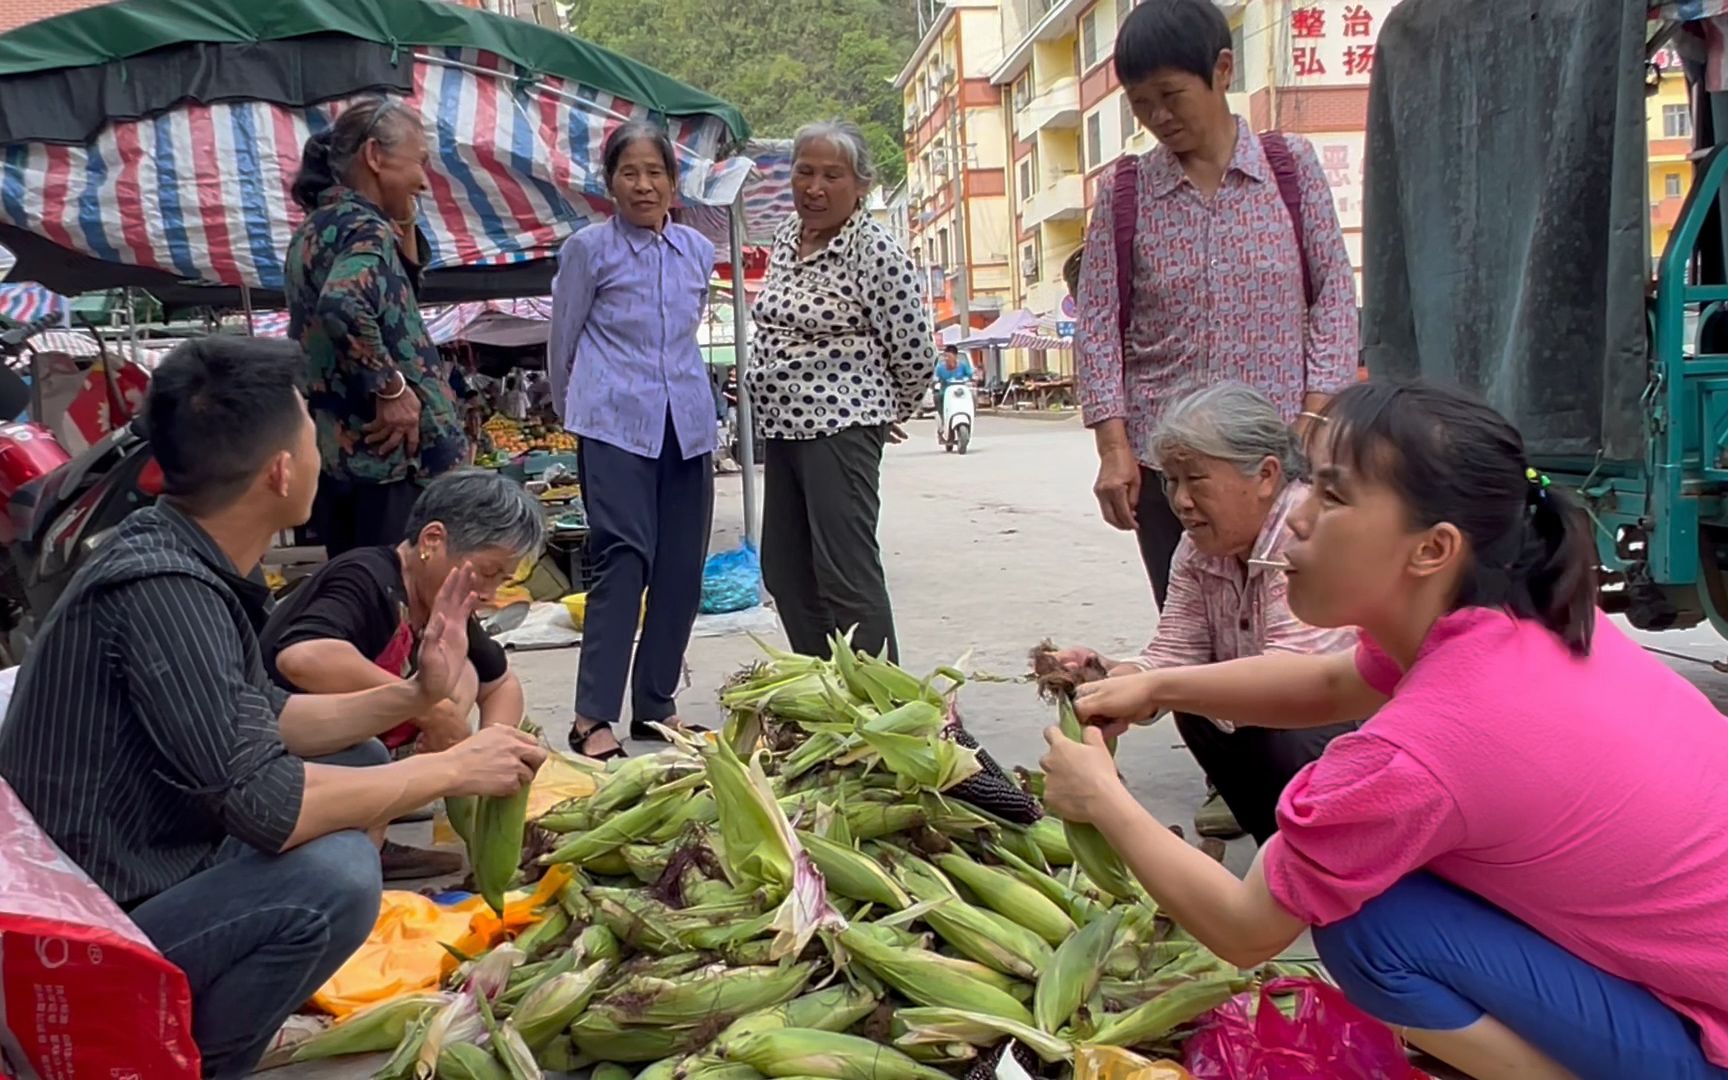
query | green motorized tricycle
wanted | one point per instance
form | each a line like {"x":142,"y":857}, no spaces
{"x":1507,"y":218}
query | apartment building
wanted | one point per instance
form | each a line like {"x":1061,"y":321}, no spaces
{"x":544,"y":12}
{"x":1668,"y":117}
{"x":16,"y":13}
{"x":959,"y":225}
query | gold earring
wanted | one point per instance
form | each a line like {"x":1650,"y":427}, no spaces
{"x":425,"y":555}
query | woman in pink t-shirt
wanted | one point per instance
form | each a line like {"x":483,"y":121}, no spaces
{"x":1521,"y":859}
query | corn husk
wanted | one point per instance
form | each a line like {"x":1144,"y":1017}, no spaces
{"x":926,"y":1026}
{"x":806,"y":1052}
{"x":549,"y":1009}
{"x":371,"y":1030}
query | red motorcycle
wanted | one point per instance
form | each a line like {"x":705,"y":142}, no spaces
{"x":56,"y":508}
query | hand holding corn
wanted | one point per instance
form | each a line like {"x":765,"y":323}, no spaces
{"x":444,"y":643}
{"x":1115,"y":704}
{"x":495,"y":760}
{"x":1080,"y":779}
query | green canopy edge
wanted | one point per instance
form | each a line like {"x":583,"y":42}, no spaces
{"x":117,"y":31}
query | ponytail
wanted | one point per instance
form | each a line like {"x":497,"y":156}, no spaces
{"x":316,"y":175}
{"x":1557,"y":572}
{"x":1451,"y":458}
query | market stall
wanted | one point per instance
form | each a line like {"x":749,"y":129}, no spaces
{"x":168,"y":93}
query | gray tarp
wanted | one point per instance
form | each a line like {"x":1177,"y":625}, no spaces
{"x":1504,"y":216}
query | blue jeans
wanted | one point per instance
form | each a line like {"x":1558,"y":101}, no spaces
{"x":257,"y":934}
{"x":1431,"y":956}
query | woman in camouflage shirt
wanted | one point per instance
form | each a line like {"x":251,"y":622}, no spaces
{"x":387,"y":418}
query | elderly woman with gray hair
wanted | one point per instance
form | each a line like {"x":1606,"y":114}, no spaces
{"x":1234,"y":472}
{"x":386,"y":414}
{"x":355,"y":624}
{"x":842,"y":355}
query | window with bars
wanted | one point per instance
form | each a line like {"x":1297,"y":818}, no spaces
{"x":1089,"y":41}
{"x":1028,"y":178}
{"x":1671,"y":186}
{"x":1094,"y":141}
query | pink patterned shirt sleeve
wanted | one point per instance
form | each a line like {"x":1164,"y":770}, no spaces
{"x":1185,"y":622}
{"x":1329,"y":345}
{"x":1098,"y":372}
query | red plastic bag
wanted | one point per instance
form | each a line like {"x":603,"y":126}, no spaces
{"x":1249,"y":1038}
{"x":83,"y":993}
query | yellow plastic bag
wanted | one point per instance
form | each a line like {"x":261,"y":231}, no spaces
{"x":406,"y":951}
{"x":1114,"y":1063}
{"x":577,"y":605}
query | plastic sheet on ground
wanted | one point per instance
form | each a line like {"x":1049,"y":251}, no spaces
{"x":548,"y":626}
{"x":405,"y":951}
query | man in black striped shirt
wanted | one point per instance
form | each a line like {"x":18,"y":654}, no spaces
{"x":147,"y":741}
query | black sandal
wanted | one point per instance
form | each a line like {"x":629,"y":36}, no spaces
{"x":644,"y":730}
{"x":583,"y":730}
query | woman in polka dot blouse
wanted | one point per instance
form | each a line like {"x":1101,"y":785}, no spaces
{"x":841,"y":356}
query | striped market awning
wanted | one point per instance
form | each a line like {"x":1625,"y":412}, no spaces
{"x":197,"y":187}
{"x":30,"y":303}
{"x":1044,"y":336}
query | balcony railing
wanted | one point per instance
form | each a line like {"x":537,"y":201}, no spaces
{"x":1058,"y":106}
{"x":1062,"y":197}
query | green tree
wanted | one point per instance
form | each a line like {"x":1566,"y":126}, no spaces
{"x":783,"y":63}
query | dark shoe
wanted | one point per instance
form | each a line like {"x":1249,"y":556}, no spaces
{"x":403,"y":863}
{"x":1215,"y":819}
{"x":644,"y":731}
{"x":412,"y":816}
{"x":595,"y":740}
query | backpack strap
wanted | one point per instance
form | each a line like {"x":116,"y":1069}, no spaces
{"x":1125,"y":214}
{"x":1283,"y":164}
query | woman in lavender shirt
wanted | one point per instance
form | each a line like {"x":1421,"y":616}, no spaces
{"x":630,"y":381}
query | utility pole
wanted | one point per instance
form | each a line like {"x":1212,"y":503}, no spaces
{"x":957,"y":162}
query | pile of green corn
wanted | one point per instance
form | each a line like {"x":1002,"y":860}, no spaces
{"x":798,"y":898}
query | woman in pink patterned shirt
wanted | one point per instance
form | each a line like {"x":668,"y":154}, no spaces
{"x":1224,"y":282}
{"x":1232,"y":468}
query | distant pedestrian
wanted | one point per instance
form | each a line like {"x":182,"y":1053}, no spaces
{"x":628,"y":377}
{"x":387,"y":416}
{"x":843,"y":355}
{"x":1224,"y":283}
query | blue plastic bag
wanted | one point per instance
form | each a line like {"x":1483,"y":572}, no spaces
{"x":732,"y":580}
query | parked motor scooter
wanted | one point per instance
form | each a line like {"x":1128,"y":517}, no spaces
{"x":954,"y":426}
{"x":55,"y":509}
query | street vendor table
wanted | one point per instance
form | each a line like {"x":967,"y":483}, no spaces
{"x":1039,"y":394}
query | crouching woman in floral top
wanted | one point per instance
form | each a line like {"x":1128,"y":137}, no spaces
{"x":1520,"y":858}
{"x":1234,"y":473}
{"x":841,"y":357}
